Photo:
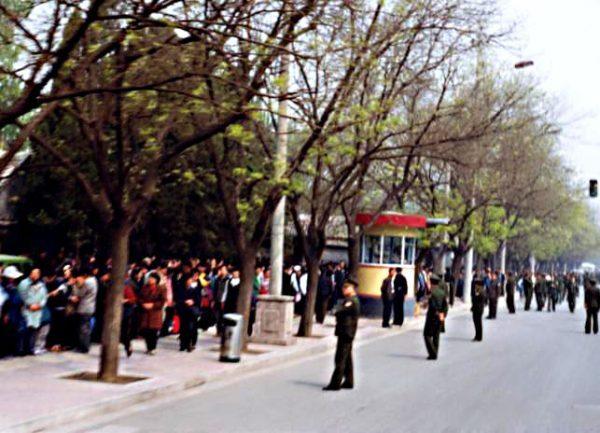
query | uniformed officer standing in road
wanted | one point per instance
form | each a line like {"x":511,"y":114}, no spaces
{"x":446,"y":287}
{"x":400,"y":291}
{"x":478,"y":301}
{"x":571,"y":288}
{"x":592,"y":305}
{"x":493,"y":292}
{"x":346,"y":315}
{"x":510,"y":293}
{"x":528,"y":289}
{"x":539,"y":289}
{"x":551,"y":293}
{"x":436,"y":314}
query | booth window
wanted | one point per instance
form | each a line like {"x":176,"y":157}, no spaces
{"x":392,"y":250}
{"x":371,"y":249}
{"x":388,"y":250}
{"x":409,"y":251}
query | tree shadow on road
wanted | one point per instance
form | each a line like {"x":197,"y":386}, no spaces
{"x":407,"y":356}
{"x":455,"y":338}
{"x":309,"y":383}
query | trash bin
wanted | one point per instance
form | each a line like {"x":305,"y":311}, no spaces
{"x":231,"y":340}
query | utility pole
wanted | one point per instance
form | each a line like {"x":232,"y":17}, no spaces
{"x":274,"y":312}
{"x":469,"y":265}
{"x":278,"y":223}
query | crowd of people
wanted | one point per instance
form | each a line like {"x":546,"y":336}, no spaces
{"x":59,"y":304}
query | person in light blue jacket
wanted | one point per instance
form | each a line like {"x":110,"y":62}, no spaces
{"x":33,"y":294}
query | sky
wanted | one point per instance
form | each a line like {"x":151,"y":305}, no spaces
{"x":563,"y":39}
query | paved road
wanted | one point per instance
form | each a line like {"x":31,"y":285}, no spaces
{"x":534,"y":372}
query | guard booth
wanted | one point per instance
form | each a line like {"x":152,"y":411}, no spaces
{"x":390,"y":241}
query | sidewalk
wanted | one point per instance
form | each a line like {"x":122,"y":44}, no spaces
{"x":34,"y":395}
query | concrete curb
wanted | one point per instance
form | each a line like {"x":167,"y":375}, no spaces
{"x":257,"y":363}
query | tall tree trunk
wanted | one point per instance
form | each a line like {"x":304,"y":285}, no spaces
{"x":307,"y":319}
{"x":111,"y":331}
{"x":457,"y":262}
{"x":438,"y":255}
{"x":353,"y":255}
{"x":248,"y":259}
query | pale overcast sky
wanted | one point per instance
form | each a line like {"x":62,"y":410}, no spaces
{"x":563,"y":38}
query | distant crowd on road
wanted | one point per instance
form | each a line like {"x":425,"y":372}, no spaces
{"x":59,"y":304}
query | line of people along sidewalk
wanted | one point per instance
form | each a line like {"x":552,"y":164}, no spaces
{"x":58,"y":308}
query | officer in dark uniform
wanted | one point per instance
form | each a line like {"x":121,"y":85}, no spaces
{"x":510,"y":293}
{"x":436,"y":314}
{"x":540,"y":289}
{"x":478,"y":301}
{"x":571,"y":287}
{"x":400,"y":291}
{"x":552,"y":294}
{"x":449,"y":279}
{"x":528,"y":289}
{"x":492,"y":294}
{"x":446,"y":286}
{"x":346,"y":315}
{"x":592,"y":305}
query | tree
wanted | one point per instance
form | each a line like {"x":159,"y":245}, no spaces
{"x":159,"y":95}
{"x":389,"y":111}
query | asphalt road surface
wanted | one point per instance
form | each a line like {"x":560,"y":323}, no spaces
{"x":534,"y":372}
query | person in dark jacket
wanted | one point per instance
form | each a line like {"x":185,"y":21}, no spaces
{"x":219,"y":290}
{"x":233,"y":292}
{"x":127,"y":323}
{"x":436,"y":314}
{"x":478,"y":301}
{"x":187,"y":303}
{"x":59,"y":291}
{"x":287,"y":289}
{"x":152,"y":298}
{"x":400,"y":291}
{"x":387,"y":296}
{"x":510,"y":293}
{"x":339,"y":276}
{"x":346,"y":315}
{"x":324,"y":292}
{"x":592,"y":305}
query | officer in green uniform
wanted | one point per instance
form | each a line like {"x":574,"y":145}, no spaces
{"x":528,"y":289}
{"x":436,"y":314}
{"x":510,"y":293}
{"x":592,"y":305}
{"x":478,"y":301}
{"x":571,"y":288}
{"x":346,"y":315}
{"x":540,"y":290}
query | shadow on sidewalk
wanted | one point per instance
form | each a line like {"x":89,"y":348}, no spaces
{"x":405,"y":356}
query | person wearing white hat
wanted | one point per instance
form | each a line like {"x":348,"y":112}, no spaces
{"x":12,"y":272}
{"x":12,"y":322}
